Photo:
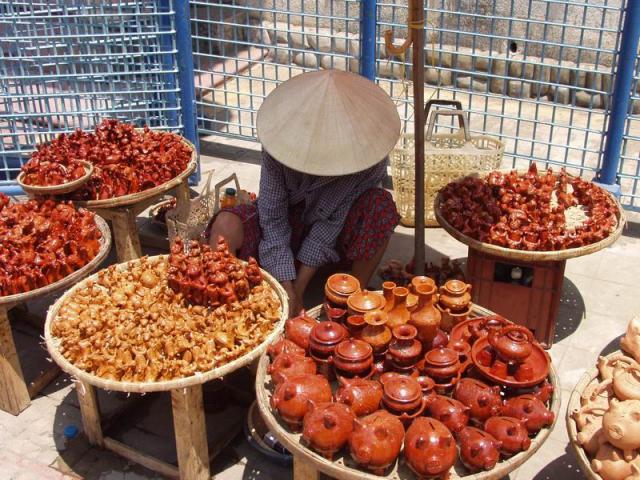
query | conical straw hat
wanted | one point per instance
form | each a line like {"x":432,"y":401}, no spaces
{"x":328,"y":122}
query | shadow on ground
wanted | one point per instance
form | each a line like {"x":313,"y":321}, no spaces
{"x":564,"y":467}
{"x":571,"y":311}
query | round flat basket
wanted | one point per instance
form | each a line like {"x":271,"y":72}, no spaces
{"x":142,"y":387}
{"x":344,"y":468}
{"x":72,"y":278}
{"x":33,"y":190}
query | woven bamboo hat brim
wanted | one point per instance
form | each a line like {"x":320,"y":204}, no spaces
{"x":328,"y":123}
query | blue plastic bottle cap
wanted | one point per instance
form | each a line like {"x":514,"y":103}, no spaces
{"x":70,"y":431}
{"x":230,"y":191}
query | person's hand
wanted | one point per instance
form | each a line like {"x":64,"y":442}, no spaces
{"x":295,"y":300}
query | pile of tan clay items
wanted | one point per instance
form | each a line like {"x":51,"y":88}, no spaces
{"x":41,"y":242}
{"x":531,"y":211}
{"x":381,"y":378}
{"x":608,"y":420}
{"x":127,"y":324}
{"x":394,"y":271}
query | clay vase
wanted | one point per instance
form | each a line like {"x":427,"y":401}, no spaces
{"x":429,"y":448}
{"x":355,"y":324}
{"x":610,"y":463}
{"x":364,"y":301}
{"x":630,"y":343}
{"x":478,"y":450}
{"x":425,"y":317}
{"x":510,"y":432}
{"x":483,"y":401}
{"x":298,"y":329}
{"x":452,"y":413}
{"x":402,"y":396}
{"x":284,"y":346}
{"x":353,"y":358}
{"x":387,"y":292}
{"x":404,"y":349}
{"x":327,"y":427}
{"x":291,"y":397}
{"x":339,"y":287}
{"x":455,"y":295}
{"x":443,"y":365}
{"x":324,"y":337}
{"x":530,"y":410}
{"x":376,"y":441}
{"x":290,"y":364}
{"x":362,"y":396}
{"x":376,"y":333}
{"x":621,"y":426}
{"x":626,"y":384}
{"x":398,"y":314}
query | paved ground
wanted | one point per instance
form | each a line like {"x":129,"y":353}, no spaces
{"x":599,"y":297}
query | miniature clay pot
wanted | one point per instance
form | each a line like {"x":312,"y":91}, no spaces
{"x":425,"y":317}
{"x":478,"y":450}
{"x":290,"y":364}
{"x":621,"y":425}
{"x":452,"y":413}
{"x":324,"y":337}
{"x":483,"y":401}
{"x":455,"y":295}
{"x":441,"y":364}
{"x":284,"y":345}
{"x":353,"y":358}
{"x":450,"y":319}
{"x":610,"y":463}
{"x":355,"y":324}
{"x":376,"y":333}
{"x":362,"y":396}
{"x":291,"y":397}
{"x":429,"y":448}
{"x":298,"y":329}
{"x":404,"y":350}
{"x":376,"y":441}
{"x":339,"y":287}
{"x":611,"y":366}
{"x":530,"y":410}
{"x":364,"y":301}
{"x":402,"y":395}
{"x":513,"y":343}
{"x":335,"y":314}
{"x":630,"y":343}
{"x":399,"y":313}
{"x":626,"y":384}
{"x":428,"y":386}
{"x":327,"y":427}
{"x":510,"y":432}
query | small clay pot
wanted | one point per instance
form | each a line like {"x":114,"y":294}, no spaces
{"x":402,"y":395}
{"x":511,"y":432}
{"x":290,"y":364}
{"x":376,"y":333}
{"x":284,"y":346}
{"x":429,"y":448}
{"x":421,"y":280}
{"x":324,"y":337}
{"x":455,"y":295}
{"x":440,"y":341}
{"x":513,"y":343}
{"x":335,"y":314}
{"x":404,"y":350}
{"x":376,"y":441}
{"x":452,"y":413}
{"x":462,"y":347}
{"x":339,"y":287}
{"x":362,"y":396}
{"x":621,"y":425}
{"x":441,"y":364}
{"x":450,"y":319}
{"x":478,"y":450}
{"x":298,"y":329}
{"x":483,"y":401}
{"x":610,"y":463}
{"x":291,"y":397}
{"x":530,"y":410}
{"x":327,"y":427}
{"x":399,"y":313}
{"x":365,"y":301}
{"x":355,"y":324}
{"x":353,"y":358}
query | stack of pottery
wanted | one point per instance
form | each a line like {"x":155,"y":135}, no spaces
{"x":454,"y":303}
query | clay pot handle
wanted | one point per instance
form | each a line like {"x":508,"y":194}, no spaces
{"x":516,"y":328}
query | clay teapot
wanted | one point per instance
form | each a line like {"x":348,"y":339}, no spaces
{"x":376,"y":333}
{"x":290,"y":364}
{"x":530,"y":410}
{"x":284,"y":345}
{"x":483,"y":401}
{"x":298,"y":329}
{"x":610,"y":464}
{"x":626,"y":384}
{"x":630,"y":343}
{"x":324,"y":337}
{"x":455,"y":295}
{"x":479,"y":328}
{"x":327,"y":427}
{"x":402,"y":395}
{"x":353,"y":358}
{"x":364,"y":301}
{"x":404,"y":349}
{"x":376,"y":441}
{"x":339,"y":287}
{"x":362,"y":396}
{"x":452,"y":413}
{"x":429,"y":448}
{"x":510,"y":432}
{"x":513,"y":344}
{"x":478,"y":450}
{"x":442,"y":364}
{"x":425,"y":317}
{"x":621,"y":426}
{"x":291,"y":397}
{"x":610,"y":367}
{"x":398,"y":314}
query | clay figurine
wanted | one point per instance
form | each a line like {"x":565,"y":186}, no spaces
{"x":452,"y":413}
{"x":289,"y":364}
{"x":510,"y":432}
{"x":478,"y":450}
{"x":483,"y":401}
{"x":327,"y":427}
{"x":626,"y":384}
{"x":284,"y":346}
{"x":429,"y":448}
{"x":635,"y":472}
{"x":621,"y":426}
{"x":376,"y":441}
{"x":598,"y":394}
{"x":291,"y":397}
{"x":591,"y":435}
{"x":630,"y":343}
{"x":530,"y":410}
{"x":363,"y":396}
{"x":610,"y":367}
{"x":610,"y":464}
{"x":298,"y":329}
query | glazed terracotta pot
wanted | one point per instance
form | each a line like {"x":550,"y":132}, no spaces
{"x":452,"y":413}
{"x":513,"y":343}
{"x":402,"y":396}
{"x":291,"y":397}
{"x":429,"y":448}
{"x":339,"y":287}
{"x":610,"y":463}
{"x":455,"y":295}
{"x":530,"y":410}
{"x":376,"y":333}
{"x":353,"y":358}
{"x":626,"y":384}
{"x":478,"y":450}
{"x":298,"y":329}
{"x":324,"y":337}
{"x":442,"y":364}
{"x":363,"y":396}
{"x":398,"y":314}
{"x":404,"y":349}
{"x":425,"y":317}
{"x":621,"y":426}
{"x":335,"y":314}
{"x":483,"y":401}
{"x":510,"y":432}
{"x":355,"y":324}
{"x":327,"y":427}
{"x":290,"y":364}
{"x":365,"y":301}
{"x":376,"y":441}
{"x":284,"y":346}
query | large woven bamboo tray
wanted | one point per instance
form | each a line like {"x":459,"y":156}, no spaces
{"x":105,"y":246}
{"x":143,"y":387}
{"x":344,"y":468}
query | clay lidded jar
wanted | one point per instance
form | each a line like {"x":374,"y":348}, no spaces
{"x":291,"y":397}
{"x":429,"y":448}
{"x":376,"y":333}
{"x":441,"y":364}
{"x":324,"y":337}
{"x":404,"y":349}
{"x":327,"y":427}
{"x":364,"y":301}
{"x":530,"y":410}
{"x":284,"y":346}
{"x":426,"y":317}
{"x":290,"y":364}
{"x":455,"y":295}
{"x":298,"y":329}
{"x":363,"y":396}
{"x":510,"y":432}
{"x":339,"y":287}
{"x":387,"y":291}
{"x":376,"y":441}
{"x":513,"y":343}
{"x":399,"y":313}
{"x":478,"y":450}
{"x":353,"y":358}
{"x":401,"y":394}
{"x":483,"y":401}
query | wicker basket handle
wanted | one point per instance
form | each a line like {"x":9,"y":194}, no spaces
{"x":219,"y":185}
{"x":443,"y":102}
{"x":462,"y":120}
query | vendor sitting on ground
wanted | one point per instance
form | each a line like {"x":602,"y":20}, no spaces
{"x":325,"y":137}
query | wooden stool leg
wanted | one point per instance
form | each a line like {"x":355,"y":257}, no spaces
{"x":303,"y":470}
{"x":191,"y":434}
{"x":14,"y":396}
{"x":125,"y":233}
{"x":90,"y":413}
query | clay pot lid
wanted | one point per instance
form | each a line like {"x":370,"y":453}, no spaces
{"x":353,"y":349}
{"x":329,"y":332}
{"x":343,"y":283}
{"x":455,"y":286}
{"x":402,"y":388}
{"x":441,"y":357}
{"x":366,"y":301}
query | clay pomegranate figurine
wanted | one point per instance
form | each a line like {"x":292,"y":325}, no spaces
{"x":626,"y":384}
{"x":291,"y":397}
{"x":530,"y":410}
{"x":327,"y":427}
{"x":404,"y":349}
{"x":298,"y":329}
{"x":478,"y":450}
{"x":402,"y":396}
{"x":376,"y":441}
{"x":483,"y":401}
{"x":363,"y":396}
{"x":284,"y":346}
{"x":399,"y":313}
{"x":610,"y":463}
{"x":364,"y":301}
{"x":630,"y":343}
{"x":290,"y":364}
{"x":429,"y":448}
{"x":452,"y":413}
{"x":353,"y":358}
{"x":339,"y":287}
{"x":425,"y":317}
{"x":455,"y":295}
{"x":621,"y":426}
{"x":510,"y":432}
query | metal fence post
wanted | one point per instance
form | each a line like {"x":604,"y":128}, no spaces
{"x":607,"y":176}
{"x":368,"y":17}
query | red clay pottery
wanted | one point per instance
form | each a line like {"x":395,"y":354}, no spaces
{"x":511,"y":432}
{"x":376,"y":333}
{"x":298,"y":329}
{"x":451,"y":319}
{"x":543,"y":391}
{"x":402,"y":396}
{"x":290,"y":364}
{"x":483,"y":401}
{"x":630,"y":343}
{"x":353,"y":358}
{"x":452,"y":413}
{"x":404,"y":349}
{"x":291,"y":397}
{"x":428,"y":387}
{"x":284,"y":346}
{"x":335,"y":314}
{"x":441,"y":340}
{"x":327,"y":427}
{"x":455,"y":295}
{"x":398,"y":314}
{"x":513,"y":343}
{"x":429,"y":448}
{"x":480,"y":327}
{"x":425,"y":317}
{"x":339,"y":287}
{"x":626,"y":384}
{"x":324,"y":337}
{"x":355,"y":324}
{"x":376,"y":441}
{"x":421,"y":280}
{"x":363,"y":396}
{"x":621,"y":425}
{"x":610,"y":463}
{"x":364,"y":301}
{"x":442,"y":364}
{"x":478,"y":450}
{"x":530,"y":410}
{"x":462,"y":347}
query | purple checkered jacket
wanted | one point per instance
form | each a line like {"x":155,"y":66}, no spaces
{"x":327,"y":202}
